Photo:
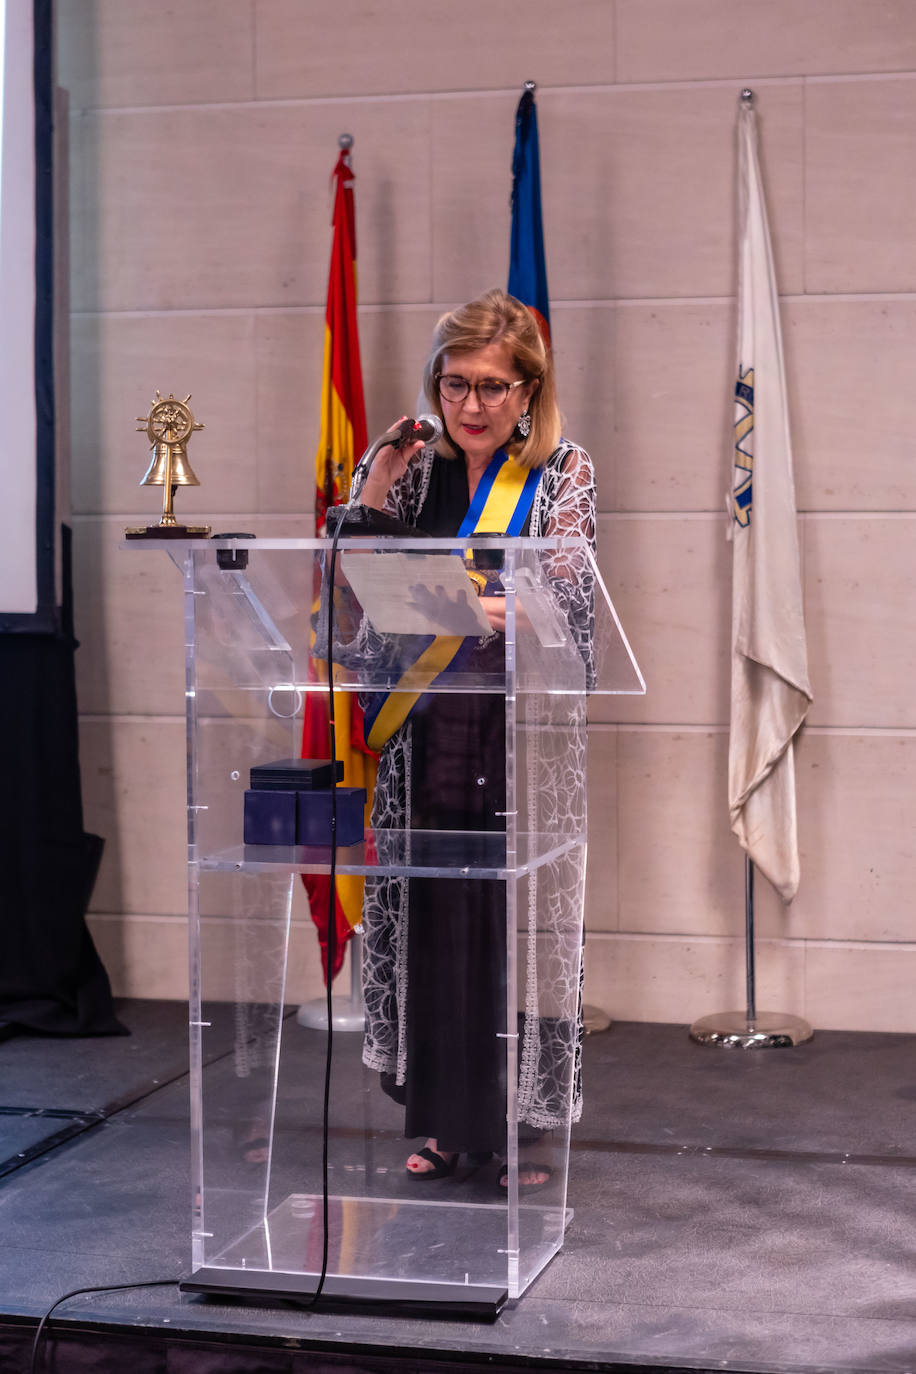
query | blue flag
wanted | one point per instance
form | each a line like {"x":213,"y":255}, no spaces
{"x":527,"y":267}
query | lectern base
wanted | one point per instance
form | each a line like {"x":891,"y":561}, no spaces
{"x":766,"y":1031}
{"x":411,"y":1253}
{"x":475,"y":1302}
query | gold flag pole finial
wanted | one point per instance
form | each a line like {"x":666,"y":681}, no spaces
{"x":747,"y":96}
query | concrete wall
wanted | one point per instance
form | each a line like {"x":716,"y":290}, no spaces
{"x":202,"y":138}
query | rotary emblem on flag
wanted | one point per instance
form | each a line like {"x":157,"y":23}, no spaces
{"x":744,"y":446}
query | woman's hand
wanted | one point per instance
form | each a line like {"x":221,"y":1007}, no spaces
{"x":494,"y":608}
{"x":388,"y":466}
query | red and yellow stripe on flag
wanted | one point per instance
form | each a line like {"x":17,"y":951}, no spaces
{"x":343,"y":410}
{"x":342,"y":440}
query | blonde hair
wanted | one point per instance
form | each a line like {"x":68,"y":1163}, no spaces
{"x":498,"y":318}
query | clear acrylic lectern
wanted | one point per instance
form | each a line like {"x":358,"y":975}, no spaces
{"x":255,"y":618}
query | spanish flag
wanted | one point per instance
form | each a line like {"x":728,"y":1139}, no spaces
{"x":527,"y":264}
{"x":342,"y":441}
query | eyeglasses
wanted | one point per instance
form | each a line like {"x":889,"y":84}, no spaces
{"x":490,"y":392}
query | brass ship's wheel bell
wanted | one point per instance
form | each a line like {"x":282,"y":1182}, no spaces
{"x":169,"y":426}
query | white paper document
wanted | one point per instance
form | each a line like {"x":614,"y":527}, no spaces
{"x":415,"y":594}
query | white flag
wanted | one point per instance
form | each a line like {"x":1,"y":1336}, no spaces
{"x":770,"y":689}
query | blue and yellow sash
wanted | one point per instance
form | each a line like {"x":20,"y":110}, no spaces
{"x":501,"y":505}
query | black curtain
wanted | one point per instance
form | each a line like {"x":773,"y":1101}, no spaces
{"x":51,"y":977}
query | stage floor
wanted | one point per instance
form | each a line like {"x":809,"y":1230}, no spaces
{"x":747,"y":1211}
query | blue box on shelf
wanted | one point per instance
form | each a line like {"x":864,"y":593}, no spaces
{"x":313,"y":822}
{"x":270,"y":817}
{"x":288,"y":818}
{"x":289,"y":802}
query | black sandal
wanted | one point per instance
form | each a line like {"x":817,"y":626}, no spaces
{"x":443,"y":1165}
{"x":525,"y":1166}
{"x":254,"y":1146}
{"x":250,"y":1139}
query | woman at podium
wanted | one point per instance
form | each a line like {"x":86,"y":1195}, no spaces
{"x":435,"y":949}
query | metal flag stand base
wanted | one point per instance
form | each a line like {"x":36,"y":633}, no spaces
{"x":765,"y":1031}
{"x":347,"y":1013}
{"x":751,"y":1030}
{"x":595,"y":1020}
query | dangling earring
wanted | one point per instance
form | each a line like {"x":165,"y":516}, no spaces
{"x":523,"y":424}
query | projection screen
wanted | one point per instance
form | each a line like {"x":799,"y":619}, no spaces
{"x":26,"y":370}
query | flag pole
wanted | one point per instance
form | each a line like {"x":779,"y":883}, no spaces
{"x":766,"y":1030}
{"x":528,"y":283}
{"x":749,"y":953}
{"x":755,"y":391}
{"x":347,"y":1014}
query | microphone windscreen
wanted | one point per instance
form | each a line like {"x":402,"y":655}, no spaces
{"x":428,"y":428}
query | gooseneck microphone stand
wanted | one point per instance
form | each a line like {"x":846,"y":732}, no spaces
{"x":348,"y":1014}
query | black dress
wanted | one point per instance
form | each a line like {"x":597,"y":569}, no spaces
{"x":455,"y":1088}
{"x":434,"y":952}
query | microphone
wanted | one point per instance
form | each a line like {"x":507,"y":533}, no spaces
{"x":425,"y":427}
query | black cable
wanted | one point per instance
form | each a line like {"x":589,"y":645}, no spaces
{"x":332,"y":924}
{"x":364,"y":463}
{"x":76,"y":1292}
